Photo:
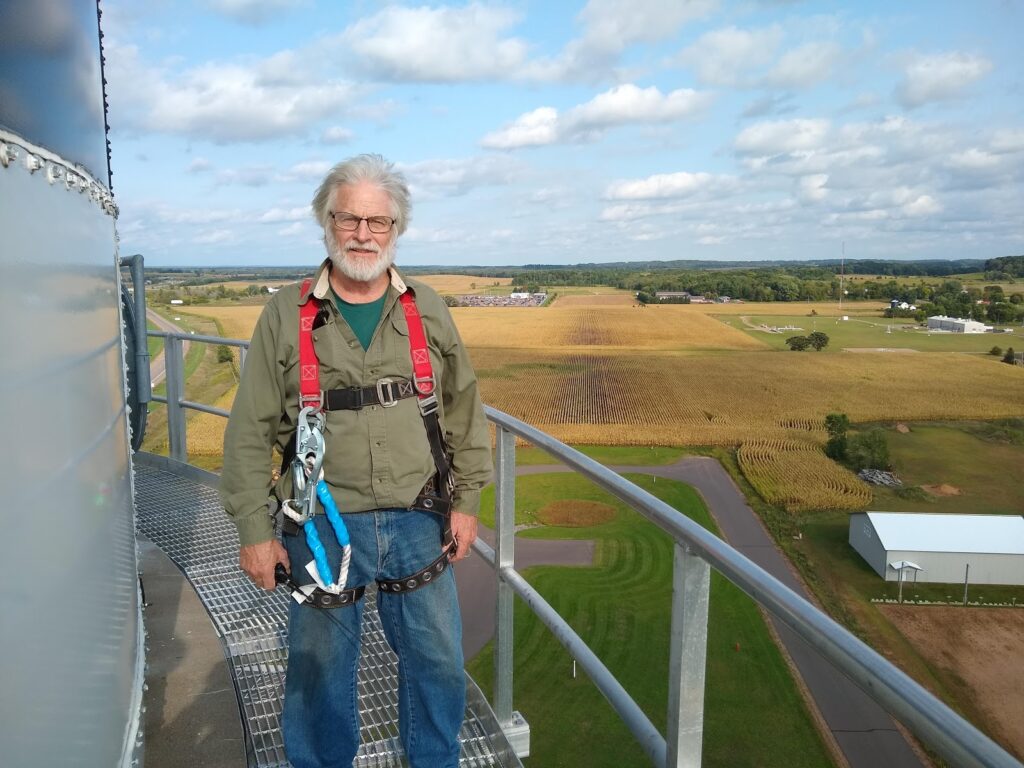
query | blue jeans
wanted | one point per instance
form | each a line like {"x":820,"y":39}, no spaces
{"x":321,"y":711}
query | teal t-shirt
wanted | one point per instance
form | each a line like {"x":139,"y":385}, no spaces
{"x":362,"y":318}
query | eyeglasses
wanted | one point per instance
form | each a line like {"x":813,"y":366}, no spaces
{"x":349,"y":222}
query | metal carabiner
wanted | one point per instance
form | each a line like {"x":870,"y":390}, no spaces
{"x":307,"y":466}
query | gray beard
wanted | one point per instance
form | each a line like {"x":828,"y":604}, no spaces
{"x":361,"y":271}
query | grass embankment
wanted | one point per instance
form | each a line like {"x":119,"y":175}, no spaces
{"x":754,"y":715}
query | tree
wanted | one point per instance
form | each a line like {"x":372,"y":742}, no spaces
{"x":224,"y":354}
{"x":450,"y":301}
{"x":1008,"y":357}
{"x":996,"y":351}
{"x":818,"y":340}
{"x":868,"y":450}
{"x":836,"y":424}
{"x":798,"y":343}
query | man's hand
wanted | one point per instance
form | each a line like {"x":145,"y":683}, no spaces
{"x":258,"y":561}
{"x":464,"y":531}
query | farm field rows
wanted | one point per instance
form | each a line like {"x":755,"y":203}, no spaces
{"x":771,"y":465}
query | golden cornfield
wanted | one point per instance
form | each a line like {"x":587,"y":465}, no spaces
{"x":461,"y":283}
{"x":597,"y":370}
{"x":796,"y":475}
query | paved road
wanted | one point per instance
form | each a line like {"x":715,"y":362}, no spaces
{"x":158,"y":366}
{"x":865,"y":733}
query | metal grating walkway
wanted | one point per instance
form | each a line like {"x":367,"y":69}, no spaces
{"x":186,"y":520}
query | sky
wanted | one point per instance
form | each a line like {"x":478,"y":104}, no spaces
{"x":572,"y":132}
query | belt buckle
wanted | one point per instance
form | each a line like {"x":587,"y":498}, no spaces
{"x":385,"y":393}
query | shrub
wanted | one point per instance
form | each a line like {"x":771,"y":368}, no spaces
{"x":996,"y":351}
{"x":224,"y":354}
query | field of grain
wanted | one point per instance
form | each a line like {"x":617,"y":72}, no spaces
{"x":823,"y":309}
{"x":594,"y":300}
{"x":628,"y":328}
{"x":771,"y":466}
{"x":728,"y":399}
{"x":236,"y":322}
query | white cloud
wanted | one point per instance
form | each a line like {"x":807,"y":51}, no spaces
{"x":726,"y":57}
{"x":1005,"y":141}
{"x":214,"y":237}
{"x":975,"y":159}
{"x":804,"y":66}
{"x":254,"y":12}
{"x":812,"y":189}
{"x":662,"y":185}
{"x":940,"y":77}
{"x":219,"y":102}
{"x":781,"y":136}
{"x":436,"y":44}
{"x":199,"y":165}
{"x":336,"y":135}
{"x":279,"y":215}
{"x":435,"y":178}
{"x":621,"y":105}
{"x":532,"y":129}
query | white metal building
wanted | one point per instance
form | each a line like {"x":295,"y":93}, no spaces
{"x":956,"y":325}
{"x":941,"y":546}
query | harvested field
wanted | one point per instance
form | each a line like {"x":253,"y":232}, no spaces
{"x":796,"y":475}
{"x":461,"y":283}
{"x":575,"y":513}
{"x":980,"y":648}
{"x":824,"y":309}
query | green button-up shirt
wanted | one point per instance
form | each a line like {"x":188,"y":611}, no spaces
{"x":375,"y":457}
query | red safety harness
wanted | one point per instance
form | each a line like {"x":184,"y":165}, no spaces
{"x":436,"y":495}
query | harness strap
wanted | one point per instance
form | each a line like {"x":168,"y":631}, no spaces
{"x":309,"y":365}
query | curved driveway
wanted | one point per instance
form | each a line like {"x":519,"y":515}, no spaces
{"x":864,"y":732}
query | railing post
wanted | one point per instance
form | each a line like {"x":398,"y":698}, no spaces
{"x":242,"y":352}
{"x":505,"y":528}
{"x":691,"y":581}
{"x":175,"y":368}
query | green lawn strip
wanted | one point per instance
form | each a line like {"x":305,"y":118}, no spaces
{"x":986,"y":471}
{"x":621,"y":607}
{"x":629,"y":455}
{"x":155,"y":344}
{"x":871,"y":332}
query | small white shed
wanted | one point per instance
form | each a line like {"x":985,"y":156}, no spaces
{"x":941,"y":547}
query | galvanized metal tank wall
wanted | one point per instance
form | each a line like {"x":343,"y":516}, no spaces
{"x":71,"y":650}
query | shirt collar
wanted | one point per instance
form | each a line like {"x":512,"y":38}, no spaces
{"x":321,"y":284}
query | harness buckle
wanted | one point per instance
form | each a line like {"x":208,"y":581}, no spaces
{"x":386,"y":392}
{"x":424,"y":385}
{"x":428,"y":405}
{"x":312,"y":401}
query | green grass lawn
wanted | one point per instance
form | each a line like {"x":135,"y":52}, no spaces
{"x":869,"y":332}
{"x":754,"y":715}
{"x":987,"y":472}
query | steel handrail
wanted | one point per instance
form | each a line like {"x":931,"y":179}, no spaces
{"x":942,"y":729}
{"x":926,"y":716}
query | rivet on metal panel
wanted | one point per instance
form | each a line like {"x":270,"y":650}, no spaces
{"x":54,"y":172}
{"x":33,"y":162}
{"x":7,"y":154}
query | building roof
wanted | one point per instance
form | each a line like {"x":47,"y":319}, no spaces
{"x":921,"y":532}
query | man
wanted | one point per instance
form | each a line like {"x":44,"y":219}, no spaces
{"x":378,"y":462}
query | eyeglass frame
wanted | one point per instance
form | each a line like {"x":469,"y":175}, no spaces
{"x":359,"y":220}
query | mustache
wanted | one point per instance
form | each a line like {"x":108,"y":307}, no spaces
{"x":367,"y":246}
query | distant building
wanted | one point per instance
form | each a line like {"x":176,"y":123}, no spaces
{"x":939,"y":548}
{"x":519,"y":295}
{"x":177,"y":301}
{"x":897,"y":304}
{"x":956,"y":325}
{"x":662,"y":295}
